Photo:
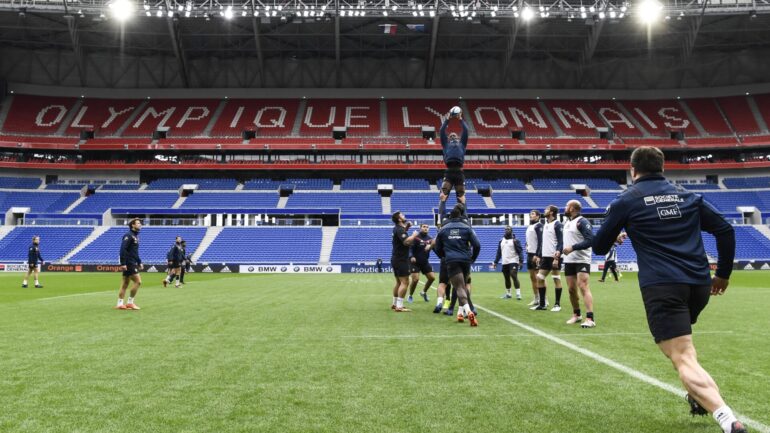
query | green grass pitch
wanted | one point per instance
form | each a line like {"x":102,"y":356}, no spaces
{"x":309,"y":353}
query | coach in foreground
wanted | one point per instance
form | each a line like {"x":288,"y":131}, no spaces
{"x":665,"y":224}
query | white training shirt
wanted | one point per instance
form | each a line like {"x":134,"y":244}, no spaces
{"x":508,"y":251}
{"x":531,"y":237}
{"x":572,"y":236}
{"x":551,"y":237}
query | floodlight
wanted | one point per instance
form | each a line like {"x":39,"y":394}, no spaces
{"x":649,"y":11}
{"x":122,"y":10}
{"x":527,"y":14}
{"x":228,"y":13}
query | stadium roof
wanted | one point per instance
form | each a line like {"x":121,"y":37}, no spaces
{"x":83,"y":44}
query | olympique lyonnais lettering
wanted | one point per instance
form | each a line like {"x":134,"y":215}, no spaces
{"x":656,"y":199}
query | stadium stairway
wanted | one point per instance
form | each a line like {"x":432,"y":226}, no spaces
{"x":4,"y":230}
{"x":591,"y":202}
{"x":757,"y":114}
{"x":211,"y":235}
{"x":385,"y":201}
{"x":489,"y":202}
{"x":98,"y":231}
{"x":765,"y":230}
{"x":282,"y":202}
{"x":327,"y":242}
{"x":179,"y":202}
{"x":74,"y":204}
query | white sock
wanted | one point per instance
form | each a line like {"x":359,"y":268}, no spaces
{"x":25,"y":282}
{"x":37,"y":283}
{"x":518,"y":292}
{"x":130,"y":300}
{"x":467,"y":309}
{"x":120,"y":302}
{"x":440,"y":301}
{"x":394,"y":300}
{"x":725,"y":418}
{"x":508,"y":290}
{"x":399,"y":302}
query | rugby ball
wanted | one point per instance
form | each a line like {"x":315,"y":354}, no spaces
{"x":455,"y":111}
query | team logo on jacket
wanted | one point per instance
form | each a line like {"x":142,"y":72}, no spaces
{"x":669,"y":198}
{"x":669,"y":212}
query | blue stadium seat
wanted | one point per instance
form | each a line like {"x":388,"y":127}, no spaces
{"x":101,"y":201}
{"x":747,"y":182}
{"x":37,"y":201}
{"x":398,"y":184}
{"x":265,"y":245}
{"x":231,"y":200}
{"x":364,"y":202}
{"x":154,"y":243}
{"x":20,"y":182}
{"x":55,"y":242}
{"x":203,"y":184}
{"x":310,"y":184}
{"x":120,"y":187}
{"x":262,"y":184}
{"x":564,"y":184}
{"x":534,"y":200}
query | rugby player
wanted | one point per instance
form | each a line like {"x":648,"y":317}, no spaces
{"x":550,"y":256}
{"x":130,"y":264}
{"x":34,"y":262}
{"x":453,"y":147}
{"x":399,"y":259}
{"x":534,"y":239}
{"x":665,"y":224}
{"x":510,"y":252}
{"x":576,"y":255}
{"x":175,"y":258}
{"x":419,"y":255}
{"x":610,"y":263}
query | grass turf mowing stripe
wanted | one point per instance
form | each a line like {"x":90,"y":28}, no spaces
{"x":756,"y":425}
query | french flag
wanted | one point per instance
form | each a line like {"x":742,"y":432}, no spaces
{"x":389,"y":29}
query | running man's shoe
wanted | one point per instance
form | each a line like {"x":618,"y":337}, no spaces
{"x":695,"y":407}
{"x":556,"y":308}
{"x":165,"y":282}
{"x":402,"y":310}
{"x":437,"y":309}
{"x":472,"y":319}
{"x":392,"y":306}
{"x":460,"y":317}
{"x":410,"y":299}
{"x":574,"y":319}
{"x":506,"y":296}
{"x":601,"y":281}
{"x":120,"y":307}
{"x":588,"y":323}
{"x":737,"y":427}
{"x":447,"y":302}
{"x":132,"y":307}
{"x":424,"y":296}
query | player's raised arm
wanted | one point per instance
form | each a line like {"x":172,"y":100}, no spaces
{"x":443,"y":134}
{"x":464,"y":136}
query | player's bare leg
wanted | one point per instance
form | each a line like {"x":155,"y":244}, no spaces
{"x":697,"y":381}
{"x":413,"y":282}
{"x":122,"y":293}
{"x":25,"y":283}
{"x":463,"y":298}
{"x":588,"y":299}
{"x":430,"y":277}
{"x":574,"y":300}
{"x":440,"y":296}
{"x":395,"y":293}
{"x":533,"y":281}
{"x":137,"y":281}
{"x":403,"y":283}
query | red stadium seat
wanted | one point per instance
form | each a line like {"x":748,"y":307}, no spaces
{"x":738,"y":112}
{"x":575,"y":118}
{"x":36,"y":115}
{"x":360,"y":116}
{"x":496,"y":118}
{"x":184,"y":117}
{"x":270,"y":117}
{"x":658,"y":117}
{"x":709,"y":116}
{"x":103,"y":116}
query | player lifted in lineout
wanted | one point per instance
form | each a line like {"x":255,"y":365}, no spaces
{"x":454,"y":156}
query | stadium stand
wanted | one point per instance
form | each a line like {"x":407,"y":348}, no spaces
{"x":265,"y":245}
{"x":763,"y":103}
{"x":65,"y":186}
{"x":747,"y":182}
{"x":406,"y":117}
{"x":615,"y":116}
{"x":20,"y":182}
{"x":575,"y":118}
{"x":231,"y":200}
{"x":728,"y":201}
{"x":103,"y":116}
{"x":348,"y":202}
{"x":37,"y":201}
{"x":310,"y":184}
{"x":262,"y":184}
{"x":660,"y":117}
{"x":426,"y":202}
{"x":36,"y":115}
{"x":268,"y":117}
{"x":55,"y":242}
{"x":101,"y":201}
{"x":360,"y":116}
{"x":564,"y":184}
{"x":184,"y":117}
{"x":203,"y":184}
{"x":738,"y":112}
{"x":398,"y":184}
{"x":496,"y":118}
{"x":154,"y":243}
{"x":707,"y":112}
{"x":120,"y":187}
{"x":533,"y":200}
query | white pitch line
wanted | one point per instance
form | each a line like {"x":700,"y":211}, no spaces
{"x":756,"y":425}
{"x":74,"y":295}
{"x":585,"y":334}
